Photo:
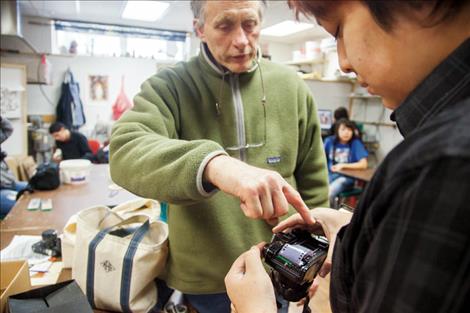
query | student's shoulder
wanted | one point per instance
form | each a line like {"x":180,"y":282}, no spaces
{"x":328,"y":141}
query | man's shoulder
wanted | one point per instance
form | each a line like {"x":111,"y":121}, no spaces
{"x":78,"y":135}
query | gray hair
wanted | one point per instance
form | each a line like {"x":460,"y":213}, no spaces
{"x":198,"y":6}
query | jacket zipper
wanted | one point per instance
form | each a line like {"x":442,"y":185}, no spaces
{"x":239,"y":115}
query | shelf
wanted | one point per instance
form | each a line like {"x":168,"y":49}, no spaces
{"x":377,"y":123}
{"x":331,"y":80}
{"x":305,"y":62}
{"x":353,"y":96}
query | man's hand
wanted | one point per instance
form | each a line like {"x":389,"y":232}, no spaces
{"x":262,"y":193}
{"x":249,"y":286}
{"x":327,"y":222}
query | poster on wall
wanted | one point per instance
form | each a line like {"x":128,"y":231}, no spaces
{"x":10,"y":102}
{"x":98,"y":87}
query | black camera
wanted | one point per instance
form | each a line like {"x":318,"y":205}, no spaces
{"x":295,"y":259}
{"x":49,"y":245}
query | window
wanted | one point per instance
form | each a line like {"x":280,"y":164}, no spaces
{"x":113,"y":40}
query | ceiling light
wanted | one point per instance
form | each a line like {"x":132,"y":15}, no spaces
{"x":144,"y":10}
{"x":285,"y":28}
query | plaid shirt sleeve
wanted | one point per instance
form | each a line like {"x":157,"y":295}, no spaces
{"x":418,"y":258}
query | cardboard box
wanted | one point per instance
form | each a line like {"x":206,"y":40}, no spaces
{"x":14,"y":278}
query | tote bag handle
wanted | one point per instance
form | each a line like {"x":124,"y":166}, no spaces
{"x":127,"y":264}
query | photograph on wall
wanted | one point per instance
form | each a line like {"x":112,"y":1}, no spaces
{"x":10,"y":103}
{"x":98,"y":87}
{"x":326,"y":118}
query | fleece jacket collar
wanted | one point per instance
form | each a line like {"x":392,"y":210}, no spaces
{"x":207,"y":59}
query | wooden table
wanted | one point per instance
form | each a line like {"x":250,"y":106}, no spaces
{"x":363,"y":175}
{"x":66,"y":200}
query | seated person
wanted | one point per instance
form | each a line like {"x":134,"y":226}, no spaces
{"x":339,"y":114}
{"x":343,"y":151}
{"x":73,"y":145}
{"x":9,"y":185}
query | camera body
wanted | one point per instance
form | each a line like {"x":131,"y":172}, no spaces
{"x":49,"y":245}
{"x":295,"y":259}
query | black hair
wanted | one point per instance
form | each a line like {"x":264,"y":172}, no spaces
{"x":349,"y":124}
{"x":340,"y":113}
{"x":55,"y":127}
{"x":385,"y":12}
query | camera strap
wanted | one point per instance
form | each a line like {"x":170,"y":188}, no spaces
{"x":306,"y":308}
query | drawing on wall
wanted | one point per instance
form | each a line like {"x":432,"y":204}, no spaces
{"x":10,"y":103}
{"x":98,"y":87}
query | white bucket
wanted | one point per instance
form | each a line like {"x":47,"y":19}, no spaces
{"x":76,"y":171}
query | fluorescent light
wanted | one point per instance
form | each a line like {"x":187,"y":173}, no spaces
{"x":144,"y":10}
{"x":285,"y":28}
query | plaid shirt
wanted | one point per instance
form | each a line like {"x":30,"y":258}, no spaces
{"x":407,"y":248}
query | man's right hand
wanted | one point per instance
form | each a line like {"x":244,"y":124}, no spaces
{"x":263,"y":193}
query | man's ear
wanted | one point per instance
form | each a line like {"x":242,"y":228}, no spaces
{"x":199,"y":30}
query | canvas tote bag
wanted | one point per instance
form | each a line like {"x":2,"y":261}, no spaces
{"x":116,"y":263}
{"x":148,"y":207}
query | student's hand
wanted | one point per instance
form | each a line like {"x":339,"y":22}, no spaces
{"x":249,"y":286}
{"x":263,"y":193}
{"x":337,"y":167}
{"x":327,"y":222}
{"x":56,"y":159}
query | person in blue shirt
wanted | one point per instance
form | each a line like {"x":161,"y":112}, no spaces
{"x":343,"y":151}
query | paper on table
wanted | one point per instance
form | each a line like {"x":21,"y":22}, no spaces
{"x":20,"y":248}
{"x":48,"y":278}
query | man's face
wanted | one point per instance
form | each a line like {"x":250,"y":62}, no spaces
{"x":389,"y":64}
{"x":62,"y":135}
{"x":231,"y":31}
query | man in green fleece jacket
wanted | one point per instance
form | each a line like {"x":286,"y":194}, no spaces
{"x":226,"y":120}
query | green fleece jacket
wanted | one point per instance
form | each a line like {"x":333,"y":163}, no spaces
{"x":160,"y":148}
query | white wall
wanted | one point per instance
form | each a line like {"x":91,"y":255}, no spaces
{"x":38,"y":32}
{"x":331,"y":95}
{"x":135,"y":71}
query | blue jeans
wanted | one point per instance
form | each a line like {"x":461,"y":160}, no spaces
{"x":8,"y":197}
{"x":220,"y":303}
{"x":338,"y":184}
{"x":210,"y":303}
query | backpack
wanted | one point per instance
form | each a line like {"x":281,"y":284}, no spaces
{"x":46,"y":177}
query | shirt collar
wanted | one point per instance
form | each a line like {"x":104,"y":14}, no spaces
{"x":448,"y":83}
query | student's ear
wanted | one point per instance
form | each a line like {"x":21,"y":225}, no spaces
{"x":199,"y":29}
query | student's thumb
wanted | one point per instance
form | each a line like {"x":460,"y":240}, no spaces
{"x":253,"y":260}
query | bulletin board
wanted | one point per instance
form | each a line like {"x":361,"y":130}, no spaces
{"x":13,"y":107}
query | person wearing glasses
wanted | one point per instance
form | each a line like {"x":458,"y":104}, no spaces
{"x":228,"y":121}
{"x":406,"y":247}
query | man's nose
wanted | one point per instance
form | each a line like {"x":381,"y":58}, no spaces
{"x":240,"y":40}
{"x":344,"y":63}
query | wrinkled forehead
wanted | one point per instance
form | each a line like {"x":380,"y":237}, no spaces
{"x":217,"y":11}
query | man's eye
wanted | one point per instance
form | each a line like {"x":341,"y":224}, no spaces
{"x":224,"y":27}
{"x":250,"y":25}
